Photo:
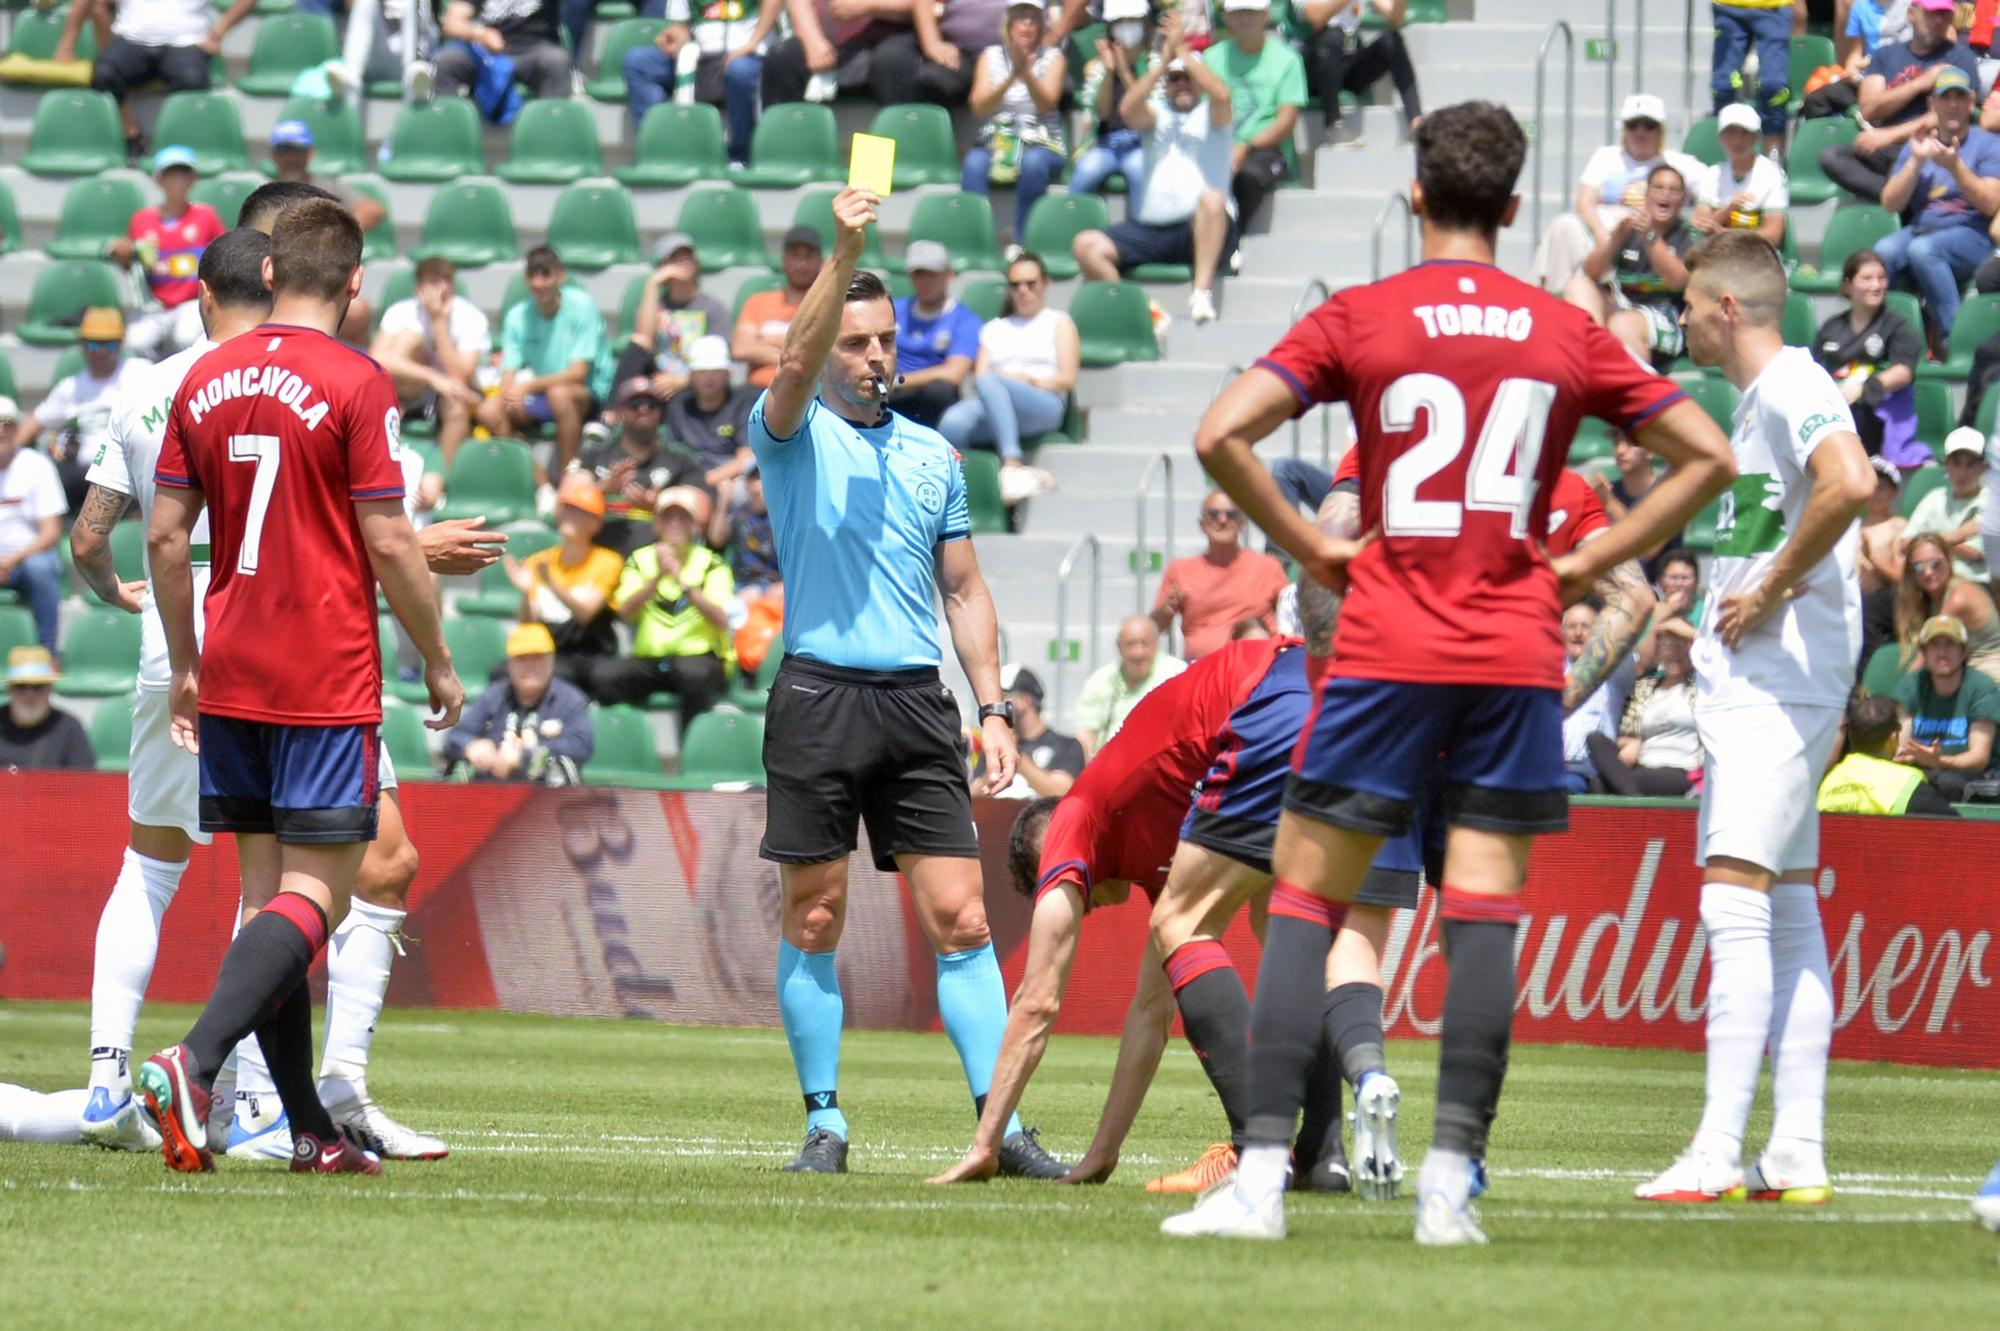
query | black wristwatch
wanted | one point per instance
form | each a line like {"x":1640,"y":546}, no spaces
{"x":1002,"y":709}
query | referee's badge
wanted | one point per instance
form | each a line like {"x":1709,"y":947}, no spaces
{"x":931,"y":495}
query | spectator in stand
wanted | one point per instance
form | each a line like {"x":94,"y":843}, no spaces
{"x":568,"y":586}
{"x":1212,"y":591}
{"x":1872,"y":354}
{"x":677,"y":594}
{"x":34,"y":735}
{"x":1745,"y":189}
{"x":1948,"y":712}
{"x":674,"y":313}
{"x":550,"y":344}
{"x":744,"y":530}
{"x":1880,"y":559}
{"x":1657,"y":751}
{"x":1115,"y":148}
{"x":156,"y":41}
{"x":1950,"y":177}
{"x":379,"y":46}
{"x":1049,"y":762}
{"x":1893,"y":99}
{"x":945,"y":44}
{"x":1929,"y":590}
{"x":729,"y":39}
{"x":1017,"y":88}
{"x":1867,"y":779}
{"x":635,"y":466}
{"x":1952,"y":511}
{"x":1338,"y":59}
{"x":1267,"y":85}
{"x":767,"y":316}
{"x":1184,"y":211}
{"x":433,"y":343}
{"x":1631,"y":283}
{"x":1112,"y":690}
{"x":167,"y":241}
{"x":1636,"y":478}
{"x":528,"y":726}
{"x":291,"y":160}
{"x":526,"y":32}
{"x":1596,"y":716}
{"x":856,"y":46}
{"x":1680,"y":586}
{"x":937,"y":339}
{"x":1767,"y":26}
{"x":711,"y":418}
{"x":1028,"y":361}
{"x":1612,"y":188}
{"x":1869,"y":26}
{"x":77,"y":411}
{"x":31,"y":513}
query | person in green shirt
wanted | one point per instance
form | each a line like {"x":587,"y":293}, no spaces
{"x":1948,"y":712}
{"x":1112,"y":691}
{"x":550,"y":345}
{"x":1267,"y":85}
{"x":676,"y":594}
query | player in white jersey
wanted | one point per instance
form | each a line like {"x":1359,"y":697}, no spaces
{"x":1774,"y":664}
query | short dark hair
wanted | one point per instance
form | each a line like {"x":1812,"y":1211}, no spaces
{"x":1681,"y":557}
{"x":1024,"y":843}
{"x":437,"y":268}
{"x":1871,"y":720}
{"x":267,"y":203}
{"x":1667,"y":168}
{"x":1856,"y":261}
{"x":866,"y":286}
{"x":1041,"y":272}
{"x":232,"y":268}
{"x":542,"y":259}
{"x":1468,"y":159}
{"x":315,"y":249}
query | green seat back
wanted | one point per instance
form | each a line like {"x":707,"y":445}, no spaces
{"x":963,"y":224}
{"x":10,"y":221}
{"x":723,"y":745}
{"x":1917,"y":484}
{"x":1591,"y":443}
{"x":982,"y":492}
{"x":490,"y":478}
{"x":1809,"y":52}
{"x":36,"y":34}
{"x":95,"y":212}
{"x":677,"y":145}
{"x":403,"y":736}
{"x":379,"y":242}
{"x":1904,"y":305}
{"x":1114,"y":323}
{"x":623,"y":753}
{"x":1799,"y":324}
{"x":1703,"y":141}
{"x":17,"y":628}
{"x":1978,"y":319}
{"x":1934,"y":414}
{"x":75,"y":133}
{"x":1699,"y":535}
{"x":984,"y":296}
{"x":621,"y":38}
{"x":207,"y":123}
{"x":111,"y":735}
{"x":926,"y":147}
{"x":476,"y":647}
{"x":128,"y":550}
{"x":1713,"y":395}
{"x":1852,"y":227}
{"x":722,"y":220}
{"x":63,"y":290}
{"x":1884,"y":671}
{"x":796,"y":143}
{"x":339,"y":145}
{"x":1809,"y":182}
{"x":226,"y":193}
{"x":749,"y":287}
{"x":816,"y":211}
{"x":436,"y":140}
{"x":470,"y":224}
{"x":286,"y":45}
{"x":1054,"y":224}
{"x":553,"y":142}
{"x":100,"y":655}
{"x":593,"y":227}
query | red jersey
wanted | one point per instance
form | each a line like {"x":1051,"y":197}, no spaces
{"x":1466,"y":387}
{"x":1574,"y":508}
{"x":1122,"y":818}
{"x":284,"y":430}
{"x":173,"y":249}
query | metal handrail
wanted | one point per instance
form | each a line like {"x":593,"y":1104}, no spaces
{"x":1569,"y":111}
{"x":1389,"y":205}
{"x":1687,"y":66}
{"x":1304,"y":303}
{"x":1638,"y":42}
{"x":1060,"y":647}
{"x":1611,"y":70}
{"x":1141,"y":547}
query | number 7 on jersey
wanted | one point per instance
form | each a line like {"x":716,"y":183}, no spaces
{"x":262,"y":449}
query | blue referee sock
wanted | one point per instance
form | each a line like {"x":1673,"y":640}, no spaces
{"x":809,"y":1001}
{"x":972,"y":1004}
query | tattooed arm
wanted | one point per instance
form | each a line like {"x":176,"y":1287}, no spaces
{"x":90,"y":546}
{"x":1319,"y":605}
{"x":1628,"y":604}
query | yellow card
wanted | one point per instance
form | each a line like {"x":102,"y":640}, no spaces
{"x":873,"y":166}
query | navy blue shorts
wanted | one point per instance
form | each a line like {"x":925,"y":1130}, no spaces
{"x":307,"y":785}
{"x":536,"y":407}
{"x":1493,"y":753}
{"x":1142,"y":242}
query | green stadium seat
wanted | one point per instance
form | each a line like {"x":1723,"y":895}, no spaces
{"x":1809,"y":52}
{"x":620,"y":39}
{"x":226,"y":193}
{"x":1703,"y":141}
{"x":963,"y":224}
{"x":1590,"y":444}
{"x":1854,"y":226}
{"x":496,"y":597}
{"x":1978,"y":319}
{"x":111,"y":735}
{"x":477,"y":646}
{"x":721,"y":747}
{"x":403,"y":736}
{"x":926,"y":147}
{"x":1699,"y":536}
{"x":438,"y":140}
{"x":100,"y":655}
{"x":17,"y":628}
{"x":816,"y":211}
{"x":10,"y":222}
{"x":623,"y":754}
{"x":1713,"y":395}
{"x":470,"y":224}
{"x":95,"y":212}
{"x":592,"y":226}
{"x":1934,"y":414}
{"x":490,"y":478}
{"x":1071,"y":429}
{"x":553,"y":142}
{"x":749,"y":287}
{"x":984,"y":296}
{"x":393,"y":686}
{"x":339,"y":146}
{"x":63,"y":290}
{"x":1160,"y":272}
{"x":36,"y":35}
{"x":677,"y":145}
{"x":1114,"y":323}
{"x":76,"y":133}
{"x":756,"y":695}
{"x":1810,"y":138}
{"x":796,"y":143}
{"x":128,"y":550}
{"x":1906,"y":306}
{"x":1884,"y":671}
{"x":1055,"y":222}
{"x":379,"y":242}
{"x":1917,"y":484}
{"x":722,"y":220}
{"x":7,"y":385}
{"x":1799,"y":324}
{"x":982,"y":492}
{"x":286,"y":45}
{"x":206,"y":122}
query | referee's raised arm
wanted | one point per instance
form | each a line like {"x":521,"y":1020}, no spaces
{"x":817,"y":322}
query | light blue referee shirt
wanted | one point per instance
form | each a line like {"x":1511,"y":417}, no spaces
{"x":858,"y":514}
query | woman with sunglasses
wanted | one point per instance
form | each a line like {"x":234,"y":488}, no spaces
{"x":1027,"y":365}
{"x":1930,"y":588}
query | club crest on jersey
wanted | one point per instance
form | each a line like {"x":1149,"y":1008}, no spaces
{"x":265,"y":380}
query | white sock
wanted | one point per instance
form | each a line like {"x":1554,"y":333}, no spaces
{"x":31,"y":1116}
{"x":1261,"y":1173}
{"x":253,"y":1074}
{"x":1801,"y":1024}
{"x":1738,"y":921}
{"x":1449,"y":1172}
{"x":128,"y":941}
{"x":358,"y":958}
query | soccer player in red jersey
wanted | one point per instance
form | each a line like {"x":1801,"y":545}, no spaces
{"x":290,"y":440}
{"x":1466,"y":386}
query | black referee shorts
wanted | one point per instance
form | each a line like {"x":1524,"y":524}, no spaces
{"x":846,"y":747}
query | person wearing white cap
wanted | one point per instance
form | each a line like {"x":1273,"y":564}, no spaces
{"x":937,"y":338}
{"x":1267,"y":85}
{"x":1612,"y":184}
{"x":673,"y":314}
{"x":31,"y":513}
{"x":1745,"y":189}
{"x":710,"y":417}
{"x":1953,"y":511}
{"x":1767,"y":25}
{"x":432,"y":344}
{"x":1339,"y":58}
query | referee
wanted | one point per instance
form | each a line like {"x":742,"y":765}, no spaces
{"x":870,"y":516}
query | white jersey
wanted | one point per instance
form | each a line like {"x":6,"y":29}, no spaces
{"x":1805,"y":651}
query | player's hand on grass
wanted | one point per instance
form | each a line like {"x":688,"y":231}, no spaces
{"x":1091,"y":1169}
{"x":853,"y":213}
{"x":978,"y":1164}
{"x":447,"y":695}
{"x":460,"y":545}
{"x":996,"y":740}
{"x":183,"y":695}
{"x":131,"y":597}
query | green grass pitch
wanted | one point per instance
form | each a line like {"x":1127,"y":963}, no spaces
{"x":622,"y":1174}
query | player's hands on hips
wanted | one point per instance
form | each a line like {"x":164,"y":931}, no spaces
{"x":1744,"y":611}
{"x":996,"y":739}
{"x":1091,"y":1169}
{"x":978,"y":1164}
{"x":1327,"y":561}
{"x":460,"y":545}
{"x":447,"y":695}
{"x":853,"y":212}
{"x":182,"y":696}
{"x":1574,"y":576}
{"x":131,"y":596}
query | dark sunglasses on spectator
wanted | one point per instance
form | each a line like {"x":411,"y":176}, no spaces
{"x":1926,"y":565}
{"x":31,"y":688}
{"x":91,"y":344}
{"x":1221,"y":514}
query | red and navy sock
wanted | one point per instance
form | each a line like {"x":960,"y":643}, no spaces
{"x":1285,"y":1024}
{"x":1478,"y":1015}
{"x":1215,"y":1013}
{"x":268,"y":960}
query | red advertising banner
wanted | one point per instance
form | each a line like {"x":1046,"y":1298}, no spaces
{"x":648,"y":905}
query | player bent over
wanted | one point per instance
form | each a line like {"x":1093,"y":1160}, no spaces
{"x":287,"y":417}
{"x":1774,"y":664}
{"x":1466,"y":386}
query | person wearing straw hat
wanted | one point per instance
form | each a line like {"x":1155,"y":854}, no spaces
{"x":78,"y":408}
{"x":33,"y":733}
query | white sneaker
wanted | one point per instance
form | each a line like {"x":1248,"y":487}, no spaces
{"x":120,"y":1126}
{"x":1378,"y":1173}
{"x":1201,"y":307}
{"x":1772,"y":1178}
{"x":260,"y":1130}
{"x":1024,"y":482}
{"x":342,"y":83}
{"x":419,"y":81}
{"x":1445,"y":1223}
{"x":382,"y":1134}
{"x":1695,"y":1177}
{"x":1221,"y":1214}
{"x":222,"y":1108}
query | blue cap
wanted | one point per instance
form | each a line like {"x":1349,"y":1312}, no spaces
{"x":177,"y":154}
{"x":1950,"y":78}
{"x":291,"y":134}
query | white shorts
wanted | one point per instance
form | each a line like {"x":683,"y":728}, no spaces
{"x":163,"y":786}
{"x":1760,"y":782}
{"x":386,"y":769}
